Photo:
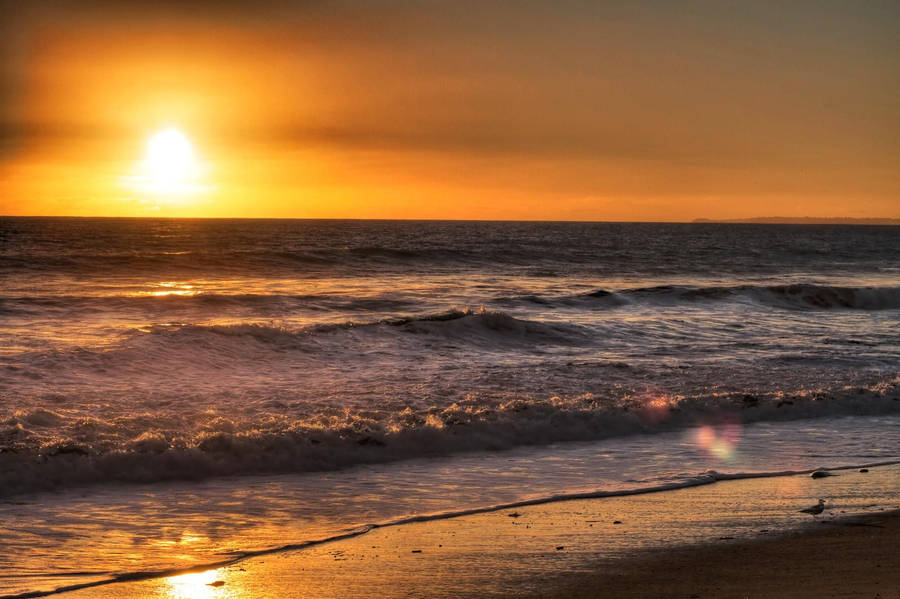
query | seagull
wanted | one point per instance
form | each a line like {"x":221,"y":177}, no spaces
{"x":816,"y":509}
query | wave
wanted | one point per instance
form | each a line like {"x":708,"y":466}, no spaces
{"x":44,"y":449}
{"x":816,"y":296}
{"x":258,"y":302}
{"x":798,"y":296}
{"x":249,"y":259}
{"x":482,"y":328}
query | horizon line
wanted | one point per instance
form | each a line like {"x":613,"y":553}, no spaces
{"x":759,"y":220}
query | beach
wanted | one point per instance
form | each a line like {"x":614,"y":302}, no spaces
{"x":855,"y":558}
{"x":739,"y":538}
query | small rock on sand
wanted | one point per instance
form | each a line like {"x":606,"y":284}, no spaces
{"x":416,"y":551}
{"x":560,"y":547}
{"x":617,"y":521}
{"x":863,"y":469}
{"x":821,"y":474}
{"x":215,"y":583}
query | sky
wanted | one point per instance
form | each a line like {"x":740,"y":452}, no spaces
{"x":565,"y":110}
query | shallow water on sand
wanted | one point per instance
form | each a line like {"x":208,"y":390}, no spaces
{"x":528,"y":552}
{"x":115,"y":529}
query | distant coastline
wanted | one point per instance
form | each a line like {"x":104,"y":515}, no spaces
{"x":803,"y":220}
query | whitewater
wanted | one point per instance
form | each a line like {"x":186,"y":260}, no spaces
{"x":352,"y":372}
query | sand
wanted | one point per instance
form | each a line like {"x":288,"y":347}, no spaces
{"x":844,"y":559}
{"x":738,"y":539}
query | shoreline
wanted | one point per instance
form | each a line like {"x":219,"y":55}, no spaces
{"x":240,"y":556}
{"x":712,"y":541}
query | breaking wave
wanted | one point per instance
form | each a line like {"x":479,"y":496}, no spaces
{"x":44,"y":449}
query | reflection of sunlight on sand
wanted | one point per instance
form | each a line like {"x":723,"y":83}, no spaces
{"x":194,"y":586}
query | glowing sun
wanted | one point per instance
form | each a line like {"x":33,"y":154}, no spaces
{"x":170,"y":170}
{"x":170,"y":164}
{"x":170,"y":158}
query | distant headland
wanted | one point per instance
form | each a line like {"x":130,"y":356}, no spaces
{"x":804,"y":220}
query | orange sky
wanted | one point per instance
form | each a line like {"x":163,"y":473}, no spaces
{"x":566,"y":110}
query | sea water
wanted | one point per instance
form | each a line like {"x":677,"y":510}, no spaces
{"x":174,"y":389}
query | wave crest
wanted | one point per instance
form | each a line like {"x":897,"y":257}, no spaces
{"x":797,"y":296}
{"x":476,"y":325}
{"x":34,"y":458}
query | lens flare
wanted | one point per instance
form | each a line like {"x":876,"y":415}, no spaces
{"x":720,"y":439}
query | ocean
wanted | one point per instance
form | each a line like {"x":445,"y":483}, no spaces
{"x":175,"y":389}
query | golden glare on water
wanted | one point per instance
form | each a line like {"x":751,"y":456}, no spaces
{"x":167,"y":288}
{"x":196,"y":585}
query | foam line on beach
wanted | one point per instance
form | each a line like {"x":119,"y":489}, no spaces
{"x":706,"y":478}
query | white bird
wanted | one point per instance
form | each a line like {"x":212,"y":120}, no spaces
{"x":816,"y":509}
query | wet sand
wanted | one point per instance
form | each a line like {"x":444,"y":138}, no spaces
{"x":853,"y":558}
{"x":742,"y":538}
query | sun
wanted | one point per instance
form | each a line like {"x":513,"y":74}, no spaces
{"x":170,"y":158}
{"x":170,"y":171}
{"x":169,"y":162}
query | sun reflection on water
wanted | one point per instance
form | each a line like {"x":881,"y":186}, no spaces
{"x":655,"y":407}
{"x":170,"y":288}
{"x":196,"y":585}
